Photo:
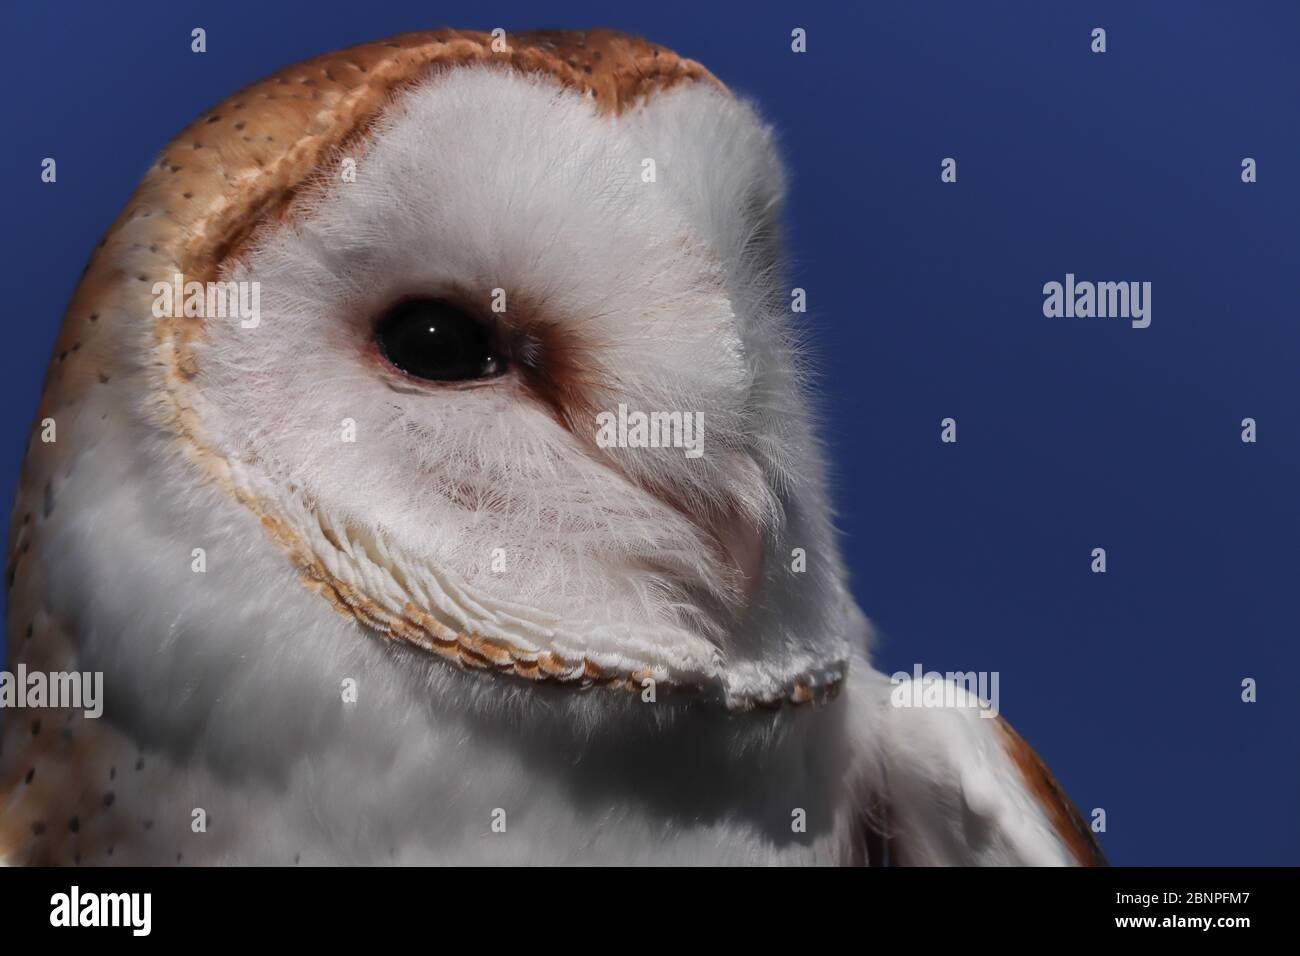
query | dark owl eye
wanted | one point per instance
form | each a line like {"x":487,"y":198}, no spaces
{"x":435,"y":340}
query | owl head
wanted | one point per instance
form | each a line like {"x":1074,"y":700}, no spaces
{"x":493,"y":337}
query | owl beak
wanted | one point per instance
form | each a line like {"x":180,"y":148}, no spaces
{"x":741,"y":545}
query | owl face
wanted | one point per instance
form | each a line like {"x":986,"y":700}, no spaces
{"x":452,"y":300}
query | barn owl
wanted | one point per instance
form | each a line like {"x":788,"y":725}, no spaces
{"x":361,"y":582}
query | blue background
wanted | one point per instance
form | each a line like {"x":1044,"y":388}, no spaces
{"x":925,"y":302}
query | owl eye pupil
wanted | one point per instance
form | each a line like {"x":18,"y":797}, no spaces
{"x":438,"y":341}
